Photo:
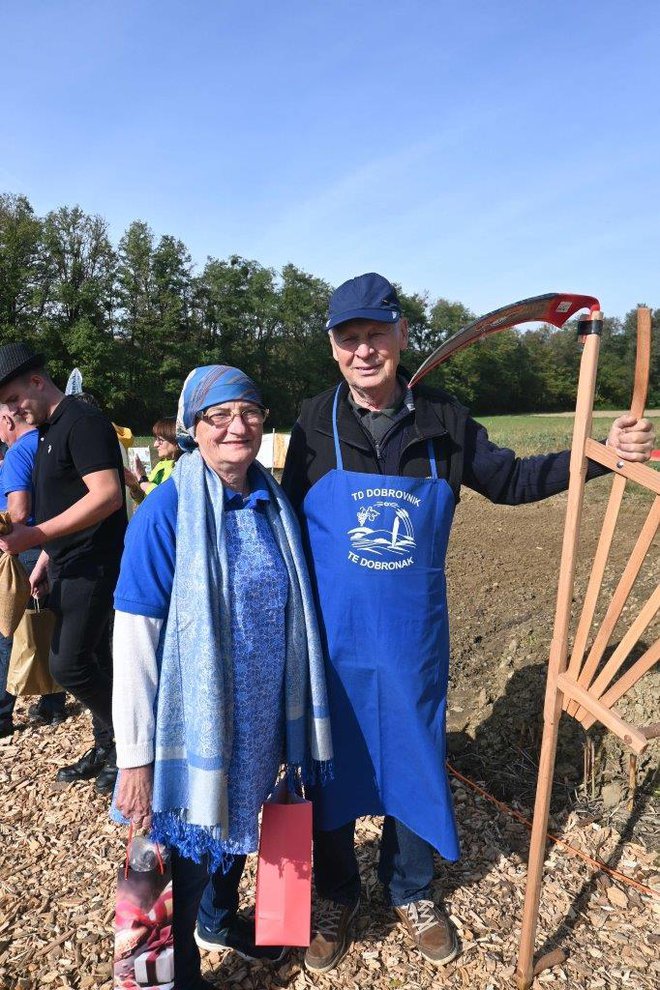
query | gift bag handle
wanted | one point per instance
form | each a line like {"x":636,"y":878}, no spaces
{"x":129,"y":843}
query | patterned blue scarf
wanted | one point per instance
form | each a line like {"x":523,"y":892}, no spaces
{"x":194,"y":714}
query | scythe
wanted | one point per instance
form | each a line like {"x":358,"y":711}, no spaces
{"x":553,"y":307}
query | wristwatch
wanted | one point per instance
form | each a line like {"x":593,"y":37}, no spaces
{"x":143,"y":479}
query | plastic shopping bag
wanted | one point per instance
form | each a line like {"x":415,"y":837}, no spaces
{"x":144,"y":942}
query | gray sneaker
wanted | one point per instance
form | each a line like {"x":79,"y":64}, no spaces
{"x":431,"y":931}
{"x":331,"y":937}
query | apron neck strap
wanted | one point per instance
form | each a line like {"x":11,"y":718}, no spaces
{"x":432,"y":461}
{"x":335,"y":431}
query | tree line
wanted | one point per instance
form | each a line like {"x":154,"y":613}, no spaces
{"x":137,"y":316}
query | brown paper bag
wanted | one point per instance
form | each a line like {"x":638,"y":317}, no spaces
{"x":14,"y":585}
{"x":28,"y":666}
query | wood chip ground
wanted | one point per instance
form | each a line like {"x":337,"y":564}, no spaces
{"x":60,"y":853}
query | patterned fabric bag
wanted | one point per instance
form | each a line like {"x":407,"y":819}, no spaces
{"x":144,"y":943}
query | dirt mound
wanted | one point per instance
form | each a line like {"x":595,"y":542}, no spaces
{"x":503,"y":565}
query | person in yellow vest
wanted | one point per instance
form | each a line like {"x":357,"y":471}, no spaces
{"x":125,"y":438}
{"x":141,"y":484}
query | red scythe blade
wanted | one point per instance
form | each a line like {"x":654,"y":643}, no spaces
{"x":554,"y":307}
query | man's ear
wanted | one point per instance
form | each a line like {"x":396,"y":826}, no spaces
{"x":333,"y":345}
{"x":403,"y":332}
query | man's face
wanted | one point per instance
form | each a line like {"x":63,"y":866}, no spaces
{"x":24,"y":397}
{"x":368,"y":351}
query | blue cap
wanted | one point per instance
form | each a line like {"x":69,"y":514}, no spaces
{"x":367,"y":297}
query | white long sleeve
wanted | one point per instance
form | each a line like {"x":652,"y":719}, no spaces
{"x":135,"y":682}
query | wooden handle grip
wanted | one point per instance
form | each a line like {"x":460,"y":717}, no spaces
{"x":642,"y":362}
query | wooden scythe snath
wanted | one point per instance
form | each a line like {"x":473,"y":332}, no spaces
{"x":584,"y":687}
{"x":577,"y":685}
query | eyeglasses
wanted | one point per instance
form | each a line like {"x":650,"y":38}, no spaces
{"x":160,"y":440}
{"x":222,"y":418}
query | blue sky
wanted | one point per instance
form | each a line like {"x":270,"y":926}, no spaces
{"x":483,"y":151}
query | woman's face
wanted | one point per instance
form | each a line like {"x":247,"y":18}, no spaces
{"x":229,"y":436}
{"x":164,"y":448}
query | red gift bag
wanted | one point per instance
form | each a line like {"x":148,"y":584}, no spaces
{"x":144,"y":944}
{"x":284,"y":870}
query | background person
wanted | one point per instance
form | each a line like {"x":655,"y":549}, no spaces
{"x":80,"y":519}
{"x":6,"y":700}
{"x":140,"y":484}
{"x":17,"y":489}
{"x":375,"y":470}
{"x":217,"y":661}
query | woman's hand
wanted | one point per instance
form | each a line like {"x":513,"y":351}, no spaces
{"x":134,"y":795}
{"x":130,"y":478}
{"x":139,"y":466}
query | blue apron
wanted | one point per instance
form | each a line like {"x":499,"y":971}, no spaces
{"x":378,"y":545}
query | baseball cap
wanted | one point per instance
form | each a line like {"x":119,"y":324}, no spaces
{"x":367,"y":297}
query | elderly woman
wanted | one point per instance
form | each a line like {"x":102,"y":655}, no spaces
{"x":165,"y":442}
{"x":218,"y":673}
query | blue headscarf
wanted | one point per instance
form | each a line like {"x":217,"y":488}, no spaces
{"x":209,"y":386}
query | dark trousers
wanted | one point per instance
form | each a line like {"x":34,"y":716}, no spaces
{"x":405,"y":867}
{"x":80,"y":653}
{"x":190,"y":881}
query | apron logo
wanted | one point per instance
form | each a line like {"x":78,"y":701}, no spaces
{"x":384,"y":538}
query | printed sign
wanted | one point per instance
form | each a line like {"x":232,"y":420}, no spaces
{"x":144,"y":454}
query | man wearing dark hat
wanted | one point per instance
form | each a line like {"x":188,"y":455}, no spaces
{"x":80,"y":519}
{"x":375,"y":470}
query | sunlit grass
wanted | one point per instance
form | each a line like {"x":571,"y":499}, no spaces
{"x":540,"y":434}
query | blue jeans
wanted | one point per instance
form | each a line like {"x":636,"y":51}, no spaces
{"x":7,"y":700}
{"x":215,"y":897}
{"x":405,"y":867}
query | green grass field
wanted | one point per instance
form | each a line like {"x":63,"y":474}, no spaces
{"x":540,"y":434}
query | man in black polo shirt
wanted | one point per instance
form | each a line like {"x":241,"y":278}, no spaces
{"x":80,"y":518}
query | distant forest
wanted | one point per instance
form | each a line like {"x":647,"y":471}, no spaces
{"x":137,"y":316}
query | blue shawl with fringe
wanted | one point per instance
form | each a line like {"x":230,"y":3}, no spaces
{"x":194,"y":717}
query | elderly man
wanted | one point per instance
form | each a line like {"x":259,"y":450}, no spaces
{"x":80,"y":518}
{"x":17,"y":496}
{"x":375,"y":470}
